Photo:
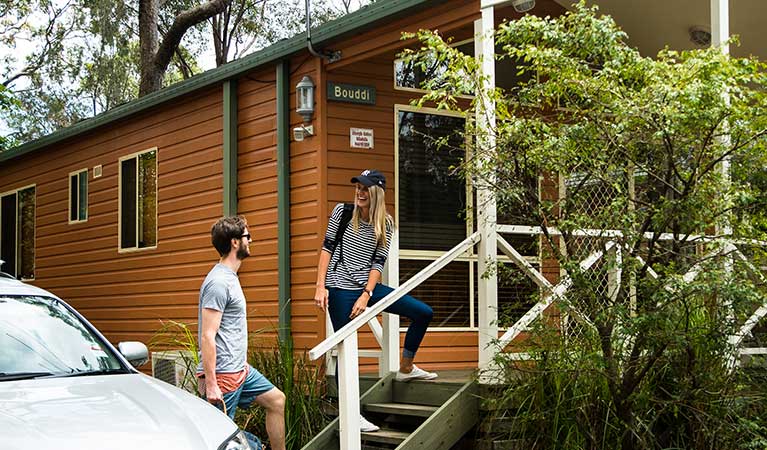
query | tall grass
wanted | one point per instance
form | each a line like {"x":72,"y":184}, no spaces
{"x":302,"y":382}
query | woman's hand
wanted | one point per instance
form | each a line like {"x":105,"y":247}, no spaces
{"x":321,"y":297}
{"x":360,"y":305}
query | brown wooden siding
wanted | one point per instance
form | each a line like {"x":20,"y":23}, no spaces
{"x":307,"y":181}
{"x":257,"y":195}
{"x":126,"y":295}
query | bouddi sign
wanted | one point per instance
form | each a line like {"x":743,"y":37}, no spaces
{"x":351,"y":93}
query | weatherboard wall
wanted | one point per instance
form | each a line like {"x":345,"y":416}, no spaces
{"x":127,"y":294}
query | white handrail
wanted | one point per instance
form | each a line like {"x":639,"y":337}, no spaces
{"x":352,"y":327}
{"x":555,"y":293}
{"x":760,"y":312}
{"x":591,"y":232}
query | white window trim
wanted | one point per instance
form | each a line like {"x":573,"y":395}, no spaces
{"x":119,"y":201}
{"x":424,"y":91}
{"x":69,"y":203}
{"x":34,"y":229}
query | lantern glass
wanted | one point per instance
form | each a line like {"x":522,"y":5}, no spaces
{"x":305,"y":98}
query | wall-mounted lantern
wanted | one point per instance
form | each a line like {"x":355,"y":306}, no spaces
{"x":305,"y":98}
{"x":304,"y":107}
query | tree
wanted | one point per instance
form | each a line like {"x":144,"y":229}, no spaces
{"x":643,"y":359}
{"x":247,"y":24}
{"x":156,"y":54}
{"x":56,"y":85}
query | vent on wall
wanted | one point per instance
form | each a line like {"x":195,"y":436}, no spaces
{"x":176,"y":367}
{"x":97,"y":171}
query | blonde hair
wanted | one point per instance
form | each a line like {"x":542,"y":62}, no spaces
{"x":379,"y":218}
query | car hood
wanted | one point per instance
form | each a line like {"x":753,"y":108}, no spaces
{"x":113,"y":412}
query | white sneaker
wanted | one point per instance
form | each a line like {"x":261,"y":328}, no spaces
{"x":366,"y":426}
{"x":416,"y":374}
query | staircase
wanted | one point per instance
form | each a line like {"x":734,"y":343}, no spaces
{"x":416,"y":415}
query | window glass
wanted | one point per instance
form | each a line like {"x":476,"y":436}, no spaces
{"x":83,"y":195}
{"x":8,"y":233}
{"x":26,"y":226}
{"x":432,"y":200}
{"x":39,"y":334}
{"x":147,"y":199}
{"x":411,"y":76}
{"x":446,"y":292}
{"x":17,"y":233}
{"x":78,"y":196}
{"x":138,"y":201}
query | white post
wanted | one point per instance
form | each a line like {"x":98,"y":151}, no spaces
{"x":389,"y":361}
{"x":614,"y":271}
{"x":330,"y":360}
{"x":484,"y":49}
{"x":348,"y":395}
{"x":720,"y":33}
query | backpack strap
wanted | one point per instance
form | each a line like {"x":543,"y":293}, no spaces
{"x":346,"y":217}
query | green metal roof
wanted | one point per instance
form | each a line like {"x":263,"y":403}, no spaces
{"x":332,"y":30}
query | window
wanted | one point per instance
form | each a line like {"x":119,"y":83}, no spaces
{"x":434,"y":212}
{"x":17,"y":232}
{"x":78,"y":196}
{"x":138,"y":200}
{"x":411,"y":77}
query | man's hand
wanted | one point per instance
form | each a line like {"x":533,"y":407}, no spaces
{"x":213,"y":393}
{"x":360,"y":305}
{"x":321,"y":297}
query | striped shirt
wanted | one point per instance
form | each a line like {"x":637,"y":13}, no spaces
{"x":360,"y":251}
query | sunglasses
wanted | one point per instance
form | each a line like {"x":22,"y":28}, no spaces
{"x":246,"y":235}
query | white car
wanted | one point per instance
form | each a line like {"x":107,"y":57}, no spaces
{"x":63,"y":386}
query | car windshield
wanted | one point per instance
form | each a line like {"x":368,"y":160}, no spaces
{"x":39,"y":336}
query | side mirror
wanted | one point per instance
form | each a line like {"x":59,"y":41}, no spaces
{"x":135,"y":352}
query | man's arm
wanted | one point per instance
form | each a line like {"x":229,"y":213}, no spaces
{"x":211,"y":321}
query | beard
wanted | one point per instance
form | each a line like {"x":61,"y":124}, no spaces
{"x":242,"y":253}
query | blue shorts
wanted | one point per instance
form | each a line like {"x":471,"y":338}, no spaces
{"x":254,"y":385}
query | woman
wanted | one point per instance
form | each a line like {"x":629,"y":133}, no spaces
{"x":350,"y":269}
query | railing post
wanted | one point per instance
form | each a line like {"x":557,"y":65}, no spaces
{"x":614,"y":272}
{"x":330,"y":360}
{"x":389,"y":361}
{"x":348,"y":394}
{"x":484,"y":48}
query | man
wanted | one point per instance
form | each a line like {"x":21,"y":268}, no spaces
{"x":225,"y":377}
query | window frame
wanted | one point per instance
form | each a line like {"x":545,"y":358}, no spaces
{"x":120,"y":161}
{"x":17,"y":234}
{"x":69,"y":204}
{"x":470,"y":255}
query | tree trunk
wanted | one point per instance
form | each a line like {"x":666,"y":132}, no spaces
{"x":156,"y":57}
{"x":151,"y":77}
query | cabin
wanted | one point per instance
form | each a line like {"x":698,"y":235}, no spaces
{"x":113,"y":214}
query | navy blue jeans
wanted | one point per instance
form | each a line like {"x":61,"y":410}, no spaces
{"x":341,"y":302}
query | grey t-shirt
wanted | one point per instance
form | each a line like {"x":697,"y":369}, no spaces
{"x":221,"y":291}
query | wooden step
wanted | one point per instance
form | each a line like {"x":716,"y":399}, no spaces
{"x":403,"y":409}
{"x":384,"y":436}
{"x":431,"y":393}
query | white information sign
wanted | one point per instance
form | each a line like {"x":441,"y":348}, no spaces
{"x":360,"y":138}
